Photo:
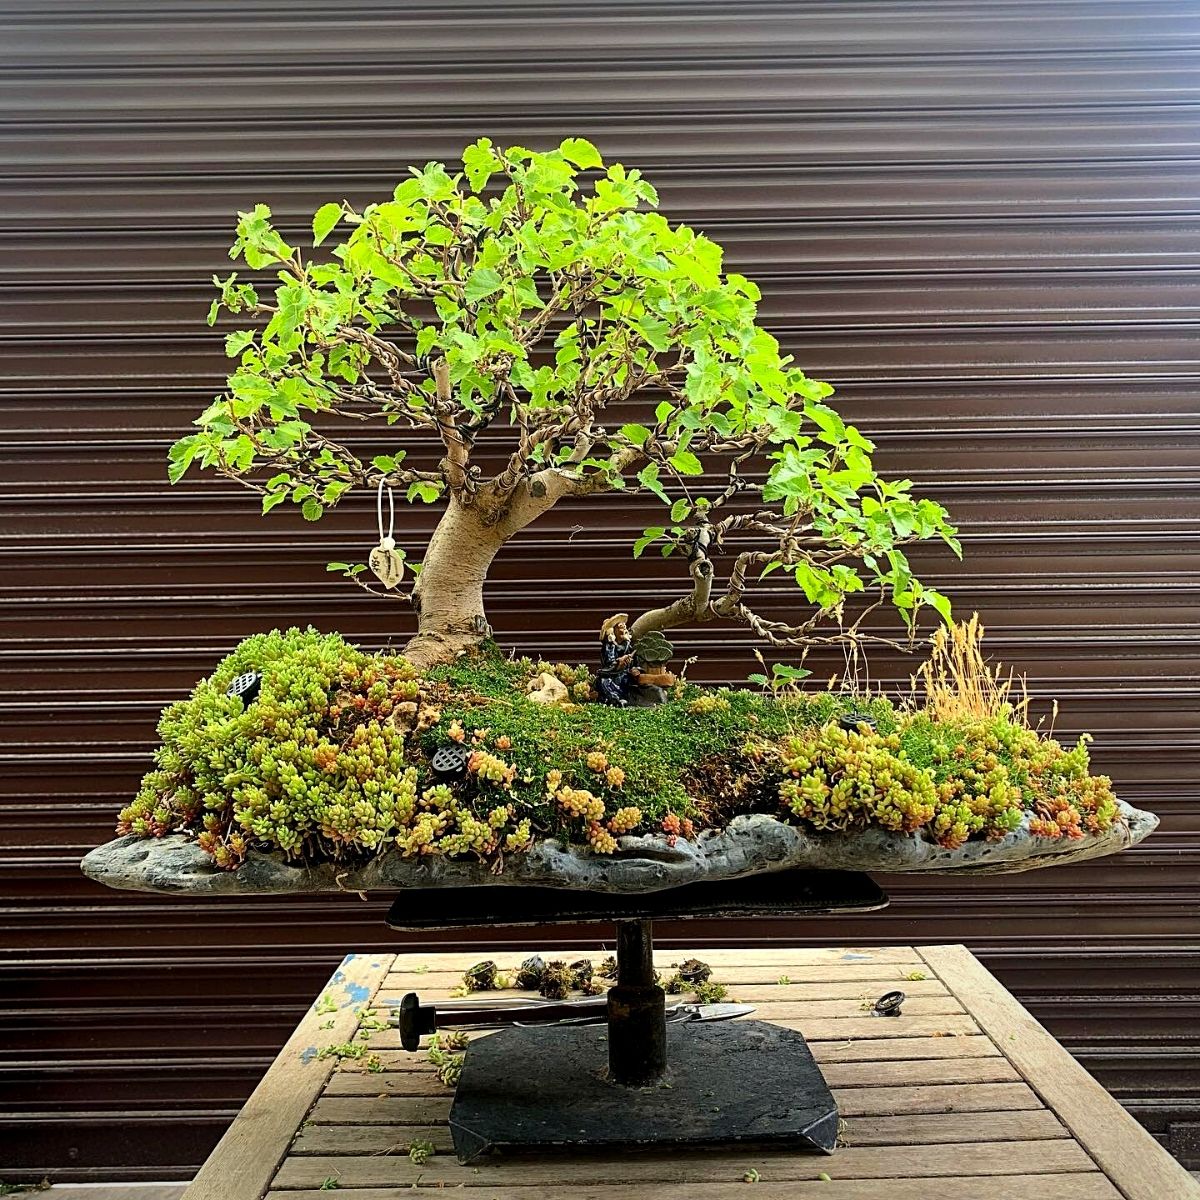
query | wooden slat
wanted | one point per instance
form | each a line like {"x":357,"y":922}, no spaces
{"x":977,"y":1097}
{"x":1128,"y":1155}
{"x":853,"y":1162}
{"x":905,"y":1072}
{"x":857,"y":1050}
{"x":928,"y":1129}
{"x":381,"y":1110}
{"x":978,"y":1187}
{"x":872,"y":1049}
{"x":241,"y":1166}
{"x":335,"y":1141}
{"x":404,"y":1083}
{"x":386,"y":1109}
{"x":826,"y":1029}
{"x":826,"y":982}
{"x":908,"y":1129}
{"x":776,"y":1007}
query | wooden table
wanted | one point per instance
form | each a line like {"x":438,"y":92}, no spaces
{"x":963,"y":1097}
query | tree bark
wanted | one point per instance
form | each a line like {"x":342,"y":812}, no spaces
{"x":694,"y":606}
{"x":448,"y":594}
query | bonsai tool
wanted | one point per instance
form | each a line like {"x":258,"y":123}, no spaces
{"x":414,"y":1019}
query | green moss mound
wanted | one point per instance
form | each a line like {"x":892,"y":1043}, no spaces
{"x":334,"y":760}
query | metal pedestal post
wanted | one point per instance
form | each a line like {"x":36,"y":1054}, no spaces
{"x":639,"y":1081}
{"x":637,"y":1024}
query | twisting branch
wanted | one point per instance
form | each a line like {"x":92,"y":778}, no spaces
{"x":693,"y":607}
{"x":456,"y":465}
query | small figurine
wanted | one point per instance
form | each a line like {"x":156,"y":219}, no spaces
{"x":617,"y":675}
{"x":651,"y":653}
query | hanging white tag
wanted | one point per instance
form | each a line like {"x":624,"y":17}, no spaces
{"x":386,"y":561}
{"x":387,"y":564}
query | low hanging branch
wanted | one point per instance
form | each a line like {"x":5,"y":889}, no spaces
{"x":526,"y":298}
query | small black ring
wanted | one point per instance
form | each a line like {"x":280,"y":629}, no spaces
{"x":888,"y":1005}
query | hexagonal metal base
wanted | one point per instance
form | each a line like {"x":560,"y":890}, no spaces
{"x":729,"y":1082}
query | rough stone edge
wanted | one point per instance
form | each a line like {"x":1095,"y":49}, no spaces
{"x":750,"y":845}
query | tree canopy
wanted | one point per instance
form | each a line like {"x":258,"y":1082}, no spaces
{"x":612,"y":350}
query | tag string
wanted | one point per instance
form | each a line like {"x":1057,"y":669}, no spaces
{"x":379,"y":509}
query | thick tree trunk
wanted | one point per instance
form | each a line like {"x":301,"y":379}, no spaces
{"x":448,"y":595}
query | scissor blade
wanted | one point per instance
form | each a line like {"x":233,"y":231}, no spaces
{"x":721,"y":1012}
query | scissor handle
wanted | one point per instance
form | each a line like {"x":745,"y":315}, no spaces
{"x":414,"y":1021}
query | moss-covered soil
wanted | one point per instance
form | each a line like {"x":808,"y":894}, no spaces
{"x":333,"y":759}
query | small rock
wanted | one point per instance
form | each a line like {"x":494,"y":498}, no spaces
{"x":548,"y":689}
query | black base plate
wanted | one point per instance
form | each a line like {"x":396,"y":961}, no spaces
{"x":775,"y":894}
{"x":730,"y":1082}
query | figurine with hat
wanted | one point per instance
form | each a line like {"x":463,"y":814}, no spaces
{"x":617,"y":675}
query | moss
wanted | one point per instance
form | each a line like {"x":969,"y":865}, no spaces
{"x":335,"y":760}
{"x":657,"y":750}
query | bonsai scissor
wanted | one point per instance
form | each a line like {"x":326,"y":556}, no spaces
{"x":414,"y":1019}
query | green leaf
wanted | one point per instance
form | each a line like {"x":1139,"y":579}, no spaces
{"x":656,"y":332}
{"x":650,"y":535}
{"x":235,"y":343}
{"x":648,"y":478}
{"x":312,"y":510}
{"x":581,"y":152}
{"x":180,"y":456}
{"x":271,"y":499}
{"x":483,"y":282}
{"x":324,"y":220}
{"x":939,"y":602}
{"x":816,"y":585}
{"x":481,"y":163}
{"x":686,"y":463}
{"x":337,"y":566}
{"x":783,"y":673}
{"x":427,"y":339}
{"x":423,"y":491}
{"x":213,"y":310}
{"x":637,"y":434}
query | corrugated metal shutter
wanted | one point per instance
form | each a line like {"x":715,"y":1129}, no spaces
{"x":979,"y":220}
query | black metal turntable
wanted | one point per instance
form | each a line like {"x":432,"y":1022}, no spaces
{"x":627,"y":1070}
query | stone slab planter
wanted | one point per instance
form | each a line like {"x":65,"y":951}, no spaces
{"x":750,"y":845}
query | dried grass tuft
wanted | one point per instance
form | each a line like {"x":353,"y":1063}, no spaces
{"x":959,"y":684}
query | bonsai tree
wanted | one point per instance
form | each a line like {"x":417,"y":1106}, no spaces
{"x":544,"y":335}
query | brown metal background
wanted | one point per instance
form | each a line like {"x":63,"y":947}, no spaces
{"x":980,"y":220}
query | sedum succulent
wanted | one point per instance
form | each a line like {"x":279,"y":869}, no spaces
{"x":343,"y":754}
